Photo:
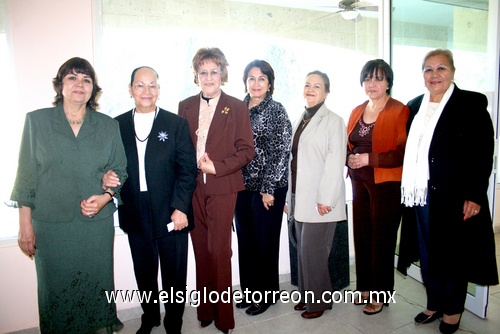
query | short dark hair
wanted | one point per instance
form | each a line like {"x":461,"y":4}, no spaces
{"x":371,"y":69}
{"x":78,"y":66}
{"x":325,"y":78}
{"x":132,"y":76}
{"x":265,"y":68}
{"x":213,"y":54}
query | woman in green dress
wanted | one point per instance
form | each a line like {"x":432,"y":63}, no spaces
{"x":65,"y":219}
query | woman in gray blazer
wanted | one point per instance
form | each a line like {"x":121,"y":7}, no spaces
{"x":317,"y":191}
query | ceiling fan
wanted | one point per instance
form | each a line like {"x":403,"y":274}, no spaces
{"x":349,"y":9}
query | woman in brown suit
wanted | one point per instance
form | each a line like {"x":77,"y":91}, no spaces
{"x":222,"y":135}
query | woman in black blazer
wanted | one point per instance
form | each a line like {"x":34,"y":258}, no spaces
{"x":447,"y":165}
{"x":156,"y":212}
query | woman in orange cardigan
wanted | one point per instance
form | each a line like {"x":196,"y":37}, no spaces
{"x":376,"y":142}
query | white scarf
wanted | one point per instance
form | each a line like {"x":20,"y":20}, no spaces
{"x":416,"y":162}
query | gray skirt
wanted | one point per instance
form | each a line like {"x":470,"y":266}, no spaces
{"x":74,"y":266}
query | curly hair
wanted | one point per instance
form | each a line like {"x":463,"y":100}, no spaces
{"x":207,"y":54}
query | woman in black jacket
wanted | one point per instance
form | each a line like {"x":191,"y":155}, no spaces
{"x":447,"y":165}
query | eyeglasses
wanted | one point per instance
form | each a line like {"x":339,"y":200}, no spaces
{"x":141,"y":87}
{"x":205,"y":74}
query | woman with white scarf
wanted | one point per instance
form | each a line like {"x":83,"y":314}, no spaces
{"x":447,"y":165}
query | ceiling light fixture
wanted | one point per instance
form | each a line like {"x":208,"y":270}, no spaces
{"x":349,"y":14}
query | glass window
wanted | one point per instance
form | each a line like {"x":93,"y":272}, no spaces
{"x":461,"y":26}
{"x":293,"y":40}
{"x":295,"y":37}
{"x":419,"y":26}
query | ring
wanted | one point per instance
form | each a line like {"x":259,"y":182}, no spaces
{"x":91,"y":216}
{"x":475,"y":211}
{"x":104,"y":184}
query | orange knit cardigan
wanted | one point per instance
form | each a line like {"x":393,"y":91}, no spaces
{"x":389,"y":134}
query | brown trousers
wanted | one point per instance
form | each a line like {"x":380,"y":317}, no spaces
{"x":213,"y":215}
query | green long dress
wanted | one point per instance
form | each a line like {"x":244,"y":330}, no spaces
{"x":74,"y":253}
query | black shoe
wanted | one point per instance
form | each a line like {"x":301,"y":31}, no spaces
{"x":256,"y":309}
{"x":423,"y":318}
{"x":146,"y":328}
{"x":447,"y":328}
{"x":205,"y":323}
{"x":243,"y":305}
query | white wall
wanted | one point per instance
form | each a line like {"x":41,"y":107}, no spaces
{"x":43,"y":35}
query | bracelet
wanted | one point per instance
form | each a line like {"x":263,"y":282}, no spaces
{"x":110,"y":194}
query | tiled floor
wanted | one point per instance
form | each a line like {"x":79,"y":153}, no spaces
{"x":342,"y":319}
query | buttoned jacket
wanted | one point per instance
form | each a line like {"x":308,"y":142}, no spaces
{"x":229,"y":141}
{"x":460,"y":163}
{"x":57,"y":170}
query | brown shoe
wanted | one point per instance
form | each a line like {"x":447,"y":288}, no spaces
{"x":300,"y":307}
{"x":312,"y":315}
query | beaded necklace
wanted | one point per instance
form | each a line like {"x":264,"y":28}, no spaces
{"x":135,"y":133}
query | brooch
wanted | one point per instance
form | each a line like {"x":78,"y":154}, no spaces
{"x":162,"y":136}
{"x":225,"y":110}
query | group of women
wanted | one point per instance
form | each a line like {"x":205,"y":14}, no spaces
{"x":421,"y":155}
{"x":220,"y":158}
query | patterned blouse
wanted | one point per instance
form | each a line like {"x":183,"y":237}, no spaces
{"x":272,"y":133}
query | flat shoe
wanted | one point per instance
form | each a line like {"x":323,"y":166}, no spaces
{"x":423,"y":318}
{"x":376,"y":309}
{"x":312,"y":315}
{"x":300,"y":307}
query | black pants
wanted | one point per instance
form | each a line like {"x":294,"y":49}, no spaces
{"x":258,"y":232}
{"x":444,"y":294}
{"x":171,"y":252}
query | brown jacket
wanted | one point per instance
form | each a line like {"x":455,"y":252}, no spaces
{"x":229,"y":141}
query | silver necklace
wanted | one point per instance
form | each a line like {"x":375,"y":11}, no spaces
{"x":78,"y":121}
{"x":364,"y":128}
